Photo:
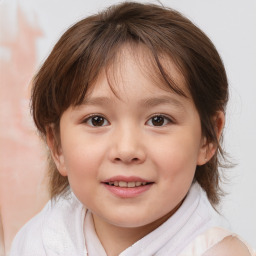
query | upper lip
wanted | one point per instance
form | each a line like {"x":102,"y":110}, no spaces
{"x":126,"y":179}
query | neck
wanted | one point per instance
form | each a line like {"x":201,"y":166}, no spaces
{"x":115,"y":239}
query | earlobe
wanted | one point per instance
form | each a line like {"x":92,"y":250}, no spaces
{"x":208,"y":149}
{"x":55,"y":150}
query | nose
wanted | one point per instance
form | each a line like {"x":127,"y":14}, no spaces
{"x":127,"y":146}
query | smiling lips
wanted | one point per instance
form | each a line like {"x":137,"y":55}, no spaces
{"x":124,"y":184}
{"x":127,"y":187}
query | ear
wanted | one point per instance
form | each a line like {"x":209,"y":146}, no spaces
{"x":53,"y":142}
{"x":208,"y":149}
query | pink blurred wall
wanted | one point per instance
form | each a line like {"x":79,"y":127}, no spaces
{"x":23,"y":181}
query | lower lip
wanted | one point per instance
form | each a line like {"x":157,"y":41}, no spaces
{"x":128,"y":192}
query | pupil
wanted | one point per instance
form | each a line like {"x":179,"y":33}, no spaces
{"x":97,"y":121}
{"x":158,"y":121}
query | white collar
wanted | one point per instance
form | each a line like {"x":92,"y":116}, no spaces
{"x":62,"y":228}
{"x":94,"y":247}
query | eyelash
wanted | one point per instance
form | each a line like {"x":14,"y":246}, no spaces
{"x":166,"y":120}
{"x":89,"y":119}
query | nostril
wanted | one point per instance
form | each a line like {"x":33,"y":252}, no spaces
{"x":128,"y":160}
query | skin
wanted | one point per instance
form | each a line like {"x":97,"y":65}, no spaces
{"x":129,"y":142}
{"x":228,"y":246}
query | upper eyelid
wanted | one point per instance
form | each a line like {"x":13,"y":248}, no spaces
{"x":169,"y":119}
{"x":162,"y":115}
{"x":86,"y":118}
{"x":92,"y":115}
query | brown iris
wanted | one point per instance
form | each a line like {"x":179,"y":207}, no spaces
{"x":97,"y":120}
{"x":158,"y":120}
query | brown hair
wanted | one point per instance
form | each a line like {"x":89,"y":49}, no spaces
{"x":91,"y":44}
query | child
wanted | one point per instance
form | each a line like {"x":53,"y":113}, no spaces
{"x":131,"y":103}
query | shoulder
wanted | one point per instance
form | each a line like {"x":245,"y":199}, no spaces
{"x":28,"y":240}
{"x":218,"y":241}
{"x":230,"y":245}
{"x":56,"y":230}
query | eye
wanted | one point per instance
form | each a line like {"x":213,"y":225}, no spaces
{"x":158,"y":120}
{"x":96,"y":121}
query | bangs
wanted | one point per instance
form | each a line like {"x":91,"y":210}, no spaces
{"x":110,"y":59}
{"x":159,"y":69}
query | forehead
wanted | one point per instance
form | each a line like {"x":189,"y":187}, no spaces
{"x":135,"y":66}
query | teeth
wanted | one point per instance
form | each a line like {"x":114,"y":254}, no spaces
{"x":131,"y":184}
{"x":124,"y":184}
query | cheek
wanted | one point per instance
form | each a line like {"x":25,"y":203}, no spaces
{"x":83,"y":159}
{"x":82,"y":170}
{"x":80,"y":163}
{"x":177,"y":157}
{"x":81,"y":154}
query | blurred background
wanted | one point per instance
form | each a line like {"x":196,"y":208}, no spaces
{"x":28,"y":31}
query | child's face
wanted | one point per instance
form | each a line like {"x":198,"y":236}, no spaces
{"x":145,"y":135}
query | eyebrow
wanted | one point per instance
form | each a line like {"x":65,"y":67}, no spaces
{"x":147,"y":102}
{"x":162,"y":100}
{"x":97,"y":101}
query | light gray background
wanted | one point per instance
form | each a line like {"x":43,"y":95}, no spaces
{"x":231,"y":25}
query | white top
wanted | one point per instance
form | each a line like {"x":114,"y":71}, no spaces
{"x":64,"y":228}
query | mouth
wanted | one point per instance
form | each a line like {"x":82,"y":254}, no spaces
{"x":130,"y":184}
{"x":127,"y":187}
